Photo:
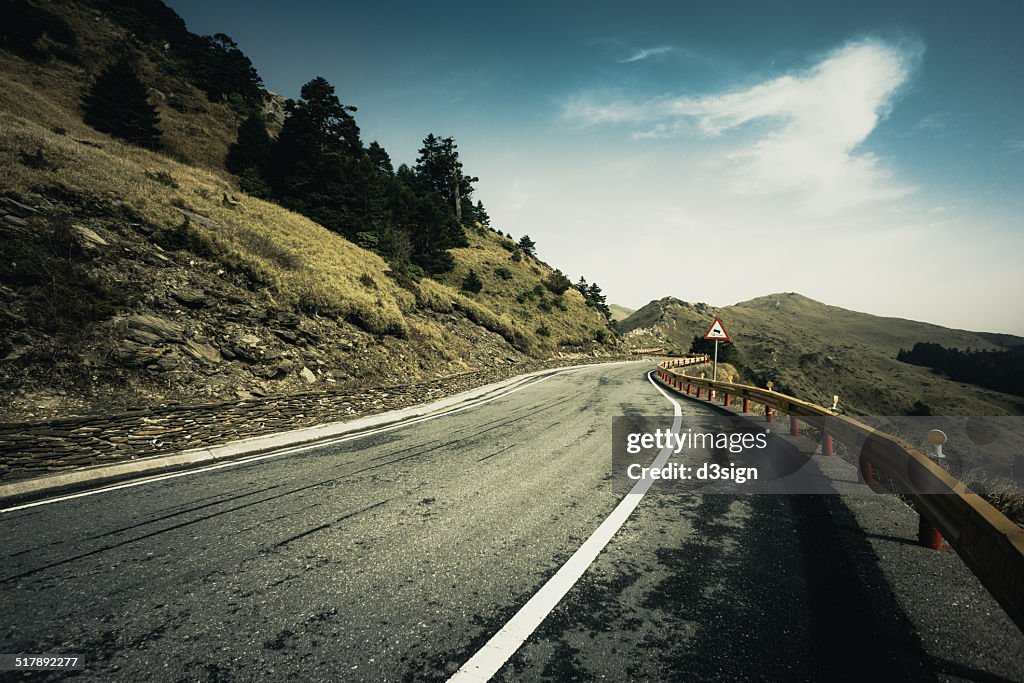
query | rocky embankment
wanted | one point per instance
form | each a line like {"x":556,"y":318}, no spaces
{"x":101,"y":312}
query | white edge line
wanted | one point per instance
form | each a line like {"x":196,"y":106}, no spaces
{"x":290,"y":450}
{"x":503,"y":644}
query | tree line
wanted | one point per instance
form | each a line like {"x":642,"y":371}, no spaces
{"x":1001,"y":370}
{"x":318,"y":165}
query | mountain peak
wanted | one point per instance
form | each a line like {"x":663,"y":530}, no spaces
{"x":780,"y":299}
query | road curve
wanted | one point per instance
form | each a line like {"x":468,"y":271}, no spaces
{"x":396,"y":556}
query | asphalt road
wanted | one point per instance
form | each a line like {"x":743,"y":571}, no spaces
{"x":396,"y":556}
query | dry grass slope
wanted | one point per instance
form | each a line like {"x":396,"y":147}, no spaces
{"x":514,"y":291}
{"x":302,"y":264}
{"x":194,"y":130}
{"x":307,"y":266}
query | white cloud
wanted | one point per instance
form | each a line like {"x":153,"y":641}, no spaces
{"x":645,"y":53}
{"x":1015,"y":146}
{"x":811,"y":125}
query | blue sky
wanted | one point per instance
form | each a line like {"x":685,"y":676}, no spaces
{"x":869,"y":155}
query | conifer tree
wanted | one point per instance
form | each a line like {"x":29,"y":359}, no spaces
{"x":252,"y":148}
{"x":528,"y":246}
{"x":118,"y":104}
{"x":472,"y":282}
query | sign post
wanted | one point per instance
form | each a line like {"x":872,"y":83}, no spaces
{"x":717,"y":333}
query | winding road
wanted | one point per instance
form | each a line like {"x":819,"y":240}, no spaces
{"x":398,"y":554}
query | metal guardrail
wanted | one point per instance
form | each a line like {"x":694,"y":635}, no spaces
{"x":990,"y":544}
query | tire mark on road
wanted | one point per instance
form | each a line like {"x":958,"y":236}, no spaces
{"x":328,"y":525}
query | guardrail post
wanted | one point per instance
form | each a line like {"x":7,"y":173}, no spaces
{"x":928,"y":535}
{"x":794,"y":426}
{"x":867,"y":472}
{"x":711,"y":394}
{"x":699,"y":389}
{"x":769,"y":413}
{"x":728,"y":399}
{"x":746,"y":405}
{"x":826,"y":446}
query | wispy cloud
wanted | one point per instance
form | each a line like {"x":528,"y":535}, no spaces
{"x":811,"y":124}
{"x":645,"y":53}
{"x":932,"y":122}
{"x":1015,"y":146}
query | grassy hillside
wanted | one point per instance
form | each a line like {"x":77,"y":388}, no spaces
{"x":167,"y":228}
{"x":815,"y":350}
{"x":49,"y":88}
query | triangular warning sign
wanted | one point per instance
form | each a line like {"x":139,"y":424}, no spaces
{"x":717,"y":332}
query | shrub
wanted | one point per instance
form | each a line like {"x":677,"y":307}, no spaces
{"x":164,"y":178}
{"x":557,"y":282}
{"x":472,"y":282}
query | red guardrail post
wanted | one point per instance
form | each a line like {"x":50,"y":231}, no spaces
{"x":746,"y":405}
{"x":699,"y":389}
{"x":769,"y":413}
{"x":867,"y":472}
{"x":928,"y":535}
{"x":826,"y":446}
{"x":794,"y":426}
{"x":728,"y":399}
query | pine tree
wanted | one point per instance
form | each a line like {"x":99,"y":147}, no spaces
{"x":381,"y":161}
{"x":318,"y":164}
{"x":472,"y":282}
{"x":528,"y":246}
{"x":481,"y":216}
{"x":222,"y":71}
{"x":252,"y":149}
{"x":440,"y":171}
{"x":118,"y":104}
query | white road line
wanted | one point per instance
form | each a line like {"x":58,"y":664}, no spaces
{"x":493,"y":655}
{"x":285,"y":451}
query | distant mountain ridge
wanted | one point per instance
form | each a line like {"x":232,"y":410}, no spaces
{"x":620,"y":312}
{"x":817,"y":350}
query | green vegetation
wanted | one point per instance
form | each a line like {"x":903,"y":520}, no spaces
{"x":33,"y":32}
{"x":472,"y":283}
{"x":727,"y":352}
{"x":249,"y":156}
{"x":118,"y":104}
{"x":319,"y":167}
{"x":1001,"y":370}
{"x":557,"y":282}
{"x":214,"y":64}
{"x":388,"y":231}
{"x":528,"y":246}
{"x":594,"y":297}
